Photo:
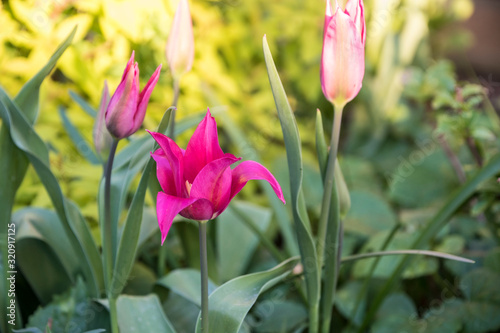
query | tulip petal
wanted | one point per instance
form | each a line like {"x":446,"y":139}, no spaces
{"x":203,"y":147}
{"x":249,"y":170}
{"x":167,"y":207}
{"x":343,"y":59}
{"x":180,"y":44}
{"x":164,"y":172}
{"x":174,"y":156}
{"x":355,"y":9}
{"x":123,"y":104}
{"x":200,"y":210}
{"x":214,"y":183}
{"x":142,"y":103}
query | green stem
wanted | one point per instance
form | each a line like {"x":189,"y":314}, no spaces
{"x":113,"y":314}
{"x":204,"y":276}
{"x":399,"y":252}
{"x":109,"y":237}
{"x":328,"y":184}
{"x":171,"y":132}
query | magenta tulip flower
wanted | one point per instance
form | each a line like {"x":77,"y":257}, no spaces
{"x":343,"y":56}
{"x":127,"y":107}
{"x":198,"y":183}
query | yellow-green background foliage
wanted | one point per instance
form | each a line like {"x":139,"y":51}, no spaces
{"x":228,"y":69}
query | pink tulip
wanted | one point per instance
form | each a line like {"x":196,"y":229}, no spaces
{"x":127,"y":107}
{"x":343,"y":57}
{"x":198,"y":182}
{"x":102,"y":138}
{"x":180,"y":45}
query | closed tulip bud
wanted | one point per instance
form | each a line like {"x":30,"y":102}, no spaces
{"x":180,"y":45}
{"x":343,"y":56}
{"x":127,"y":108}
{"x":101,"y":136}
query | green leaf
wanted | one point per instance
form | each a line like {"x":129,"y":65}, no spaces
{"x":236,"y":243}
{"x":83,"y":104}
{"x":127,"y":247}
{"x":81,"y":144}
{"x":44,"y":253}
{"x":186,"y":282}
{"x":142,"y":314}
{"x":27,"y":140}
{"x":283,"y":218}
{"x":71,"y":311}
{"x":241,"y":293}
{"x":370,"y":213}
{"x":277,"y":315}
{"x":455,"y":201}
{"x":14,"y":163}
{"x":294,"y":156}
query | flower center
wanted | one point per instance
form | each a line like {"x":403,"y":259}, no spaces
{"x":188,"y":187}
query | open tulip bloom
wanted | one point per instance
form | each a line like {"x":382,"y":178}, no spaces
{"x":198,"y":183}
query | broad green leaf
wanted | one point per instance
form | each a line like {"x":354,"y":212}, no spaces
{"x":276,"y":315}
{"x":142,"y":314}
{"x":184,"y":312}
{"x":127,"y":247}
{"x":14,"y":163}
{"x":241,"y":293}
{"x":346,"y":301}
{"x":186,"y":282}
{"x":44,"y":254}
{"x":27,"y":140}
{"x":81,"y":144}
{"x":71,"y":311}
{"x":236,"y":243}
{"x":455,"y":201}
{"x":294,"y":156}
{"x":370,"y":213}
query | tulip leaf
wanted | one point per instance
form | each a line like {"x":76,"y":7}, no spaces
{"x":294,"y":156}
{"x":83,"y":104}
{"x":282,"y":216}
{"x":14,"y":164}
{"x":186,"y":283}
{"x":81,"y":144}
{"x":28,"y":141}
{"x":41,"y":244}
{"x":455,"y":201}
{"x":142,"y":314}
{"x":236,"y":243}
{"x":127,"y":247}
{"x":241,"y":293}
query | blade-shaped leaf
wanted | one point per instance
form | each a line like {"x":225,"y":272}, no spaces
{"x":186,"y":283}
{"x":14,"y":163}
{"x":142,"y":314}
{"x":240,"y":294}
{"x":83,"y":104}
{"x":294,"y":156}
{"x":27,"y":140}
{"x":128,"y":243}
{"x":81,"y":144}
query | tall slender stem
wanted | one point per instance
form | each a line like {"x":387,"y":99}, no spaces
{"x":328,"y":184}
{"x":204,"y":276}
{"x":171,"y":132}
{"x":109,"y":237}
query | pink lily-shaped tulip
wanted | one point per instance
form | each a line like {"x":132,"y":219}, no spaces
{"x":127,"y":107}
{"x":343,"y":56}
{"x":198,"y":183}
{"x":180,"y":44}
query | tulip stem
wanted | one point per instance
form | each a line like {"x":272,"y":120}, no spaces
{"x":330,"y":228}
{"x":328,"y":185}
{"x":109,"y":237}
{"x":204,"y":276}
{"x":171,"y":132}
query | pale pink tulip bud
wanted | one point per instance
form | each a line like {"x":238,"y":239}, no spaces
{"x":102,"y":138}
{"x":343,"y":56}
{"x":180,"y":45}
